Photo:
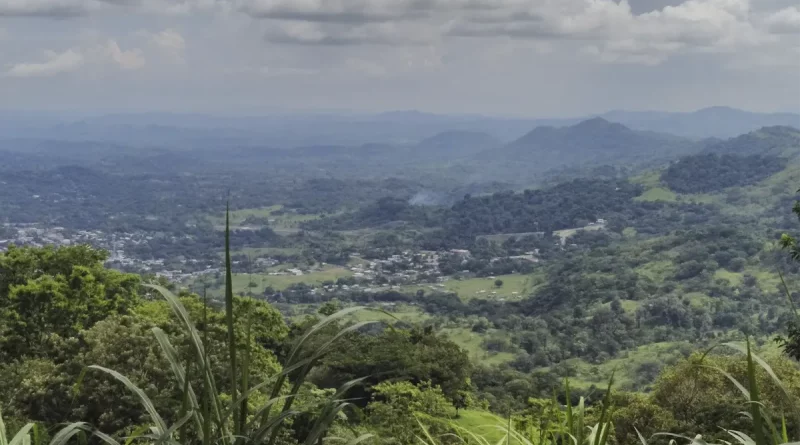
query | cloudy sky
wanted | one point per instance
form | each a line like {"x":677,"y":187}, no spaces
{"x":512,"y":57}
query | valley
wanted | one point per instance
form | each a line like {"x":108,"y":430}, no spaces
{"x":559,"y":268}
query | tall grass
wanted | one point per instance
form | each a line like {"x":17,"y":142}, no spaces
{"x":210,"y":414}
{"x":763,"y":431}
{"x":559,"y":425}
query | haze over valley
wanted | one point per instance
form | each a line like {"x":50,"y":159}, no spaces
{"x":438,"y":222}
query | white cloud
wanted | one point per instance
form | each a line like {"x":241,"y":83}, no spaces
{"x":128,"y":60}
{"x":608,"y":28}
{"x":442,"y":48}
{"x":169,"y":40}
{"x":314,"y":33}
{"x":69,"y":60}
{"x":614,"y":34}
{"x":73,"y":59}
{"x":785,"y":21}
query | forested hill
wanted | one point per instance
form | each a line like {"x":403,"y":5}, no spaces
{"x":451,"y":145}
{"x":571,"y":204}
{"x":776,"y":141}
{"x":590,"y":142}
{"x":711,"y":172}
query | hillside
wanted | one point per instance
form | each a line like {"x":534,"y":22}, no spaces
{"x":775,"y":141}
{"x":718,"y":122}
{"x":711,"y":172}
{"x":494,"y":299}
{"x":452,"y":145}
{"x":566,"y":205}
{"x":592,"y":142}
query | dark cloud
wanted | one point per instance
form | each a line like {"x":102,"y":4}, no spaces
{"x":644,"y":6}
{"x":42,"y":8}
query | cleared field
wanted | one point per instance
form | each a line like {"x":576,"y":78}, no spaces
{"x":472,"y":343}
{"x":241,"y":281}
{"x":566,"y":233}
{"x":626,"y":367}
{"x":658,"y":194}
{"x":514,"y":287}
{"x":657,"y":271}
{"x":256,"y":252}
{"x":767,"y":281}
{"x":649,"y":179}
{"x":735,"y":278}
{"x":278,"y":221}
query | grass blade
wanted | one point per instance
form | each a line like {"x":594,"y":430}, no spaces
{"x":24,"y":432}
{"x":766,"y":367}
{"x":229,"y":321}
{"x":755,"y":408}
{"x":181,"y":375}
{"x":570,"y":422}
{"x":160,"y":425}
{"x":3,"y":438}
{"x":64,"y":435}
{"x":789,"y":299}
{"x":245,"y":375}
{"x":784,"y":433}
{"x":209,"y":385}
{"x":641,"y":438}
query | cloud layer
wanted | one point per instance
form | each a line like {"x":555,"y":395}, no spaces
{"x":608,"y":28}
{"x":448,"y":43}
{"x":55,"y":63}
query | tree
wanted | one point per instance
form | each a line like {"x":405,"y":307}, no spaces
{"x":737,"y":264}
{"x":638,"y":412}
{"x":47,"y":291}
{"x":498,"y":283}
{"x":329,"y":308}
{"x":395,"y":406}
{"x":418,"y":355}
{"x":701,"y":399}
{"x":56,"y":390}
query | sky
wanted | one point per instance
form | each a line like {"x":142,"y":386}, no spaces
{"x":535,"y":58}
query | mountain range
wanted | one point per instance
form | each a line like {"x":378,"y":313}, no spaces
{"x":178,"y":130}
{"x":592,"y":142}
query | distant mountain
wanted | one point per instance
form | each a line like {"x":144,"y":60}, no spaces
{"x":450,"y":145}
{"x":407,"y":128}
{"x":177,"y":130}
{"x":719,"y":122}
{"x":592,"y":142}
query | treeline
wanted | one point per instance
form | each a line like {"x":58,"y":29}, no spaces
{"x":63,"y":311}
{"x":572,"y":204}
{"x":85,"y":314}
{"x":712,"y":172}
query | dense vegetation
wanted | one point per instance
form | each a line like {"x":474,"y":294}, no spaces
{"x":491,"y":300}
{"x":711,"y":172}
{"x":572,"y":204}
{"x":407,"y":373}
